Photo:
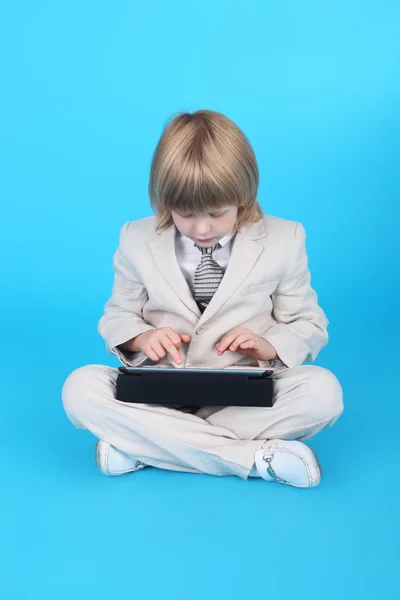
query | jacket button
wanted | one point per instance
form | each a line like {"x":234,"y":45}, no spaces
{"x":200,"y":330}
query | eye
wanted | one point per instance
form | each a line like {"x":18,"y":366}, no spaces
{"x":185,"y":216}
{"x":215,"y":216}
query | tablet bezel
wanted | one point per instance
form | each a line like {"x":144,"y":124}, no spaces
{"x":195,"y":371}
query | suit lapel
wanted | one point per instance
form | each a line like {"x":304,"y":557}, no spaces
{"x":163,"y":249}
{"x":244,"y":255}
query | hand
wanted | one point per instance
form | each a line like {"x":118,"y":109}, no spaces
{"x":155,"y":343}
{"x":245,"y":341}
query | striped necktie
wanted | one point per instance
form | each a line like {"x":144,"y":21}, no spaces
{"x":207,"y":277}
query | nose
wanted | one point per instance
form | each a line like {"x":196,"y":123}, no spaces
{"x":202,"y":228}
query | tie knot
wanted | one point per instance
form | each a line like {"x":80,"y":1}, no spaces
{"x":205,"y":251}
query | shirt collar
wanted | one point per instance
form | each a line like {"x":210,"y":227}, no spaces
{"x":189,"y":243}
{"x":227,"y":238}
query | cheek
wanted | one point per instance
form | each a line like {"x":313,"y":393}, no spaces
{"x":229,"y":222}
{"x":180,"y":223}
{"x":186,"y":224}
{"x":185,"y":227}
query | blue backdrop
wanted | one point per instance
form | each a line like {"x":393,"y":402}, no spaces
{"x":86,"y":88}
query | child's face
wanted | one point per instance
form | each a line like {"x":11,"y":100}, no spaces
{"x":207,"y":229}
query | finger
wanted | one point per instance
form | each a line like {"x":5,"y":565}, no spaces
{"x":248,"y":344}
{"x":226,"y":341}
{"x":158,"y":348}
{"x":175,"y":344}
{"x":171,"y":349}
{"x":171,"y":333}
{"x":185,"y":337}
{"x":244,"y":337}
{"x":151,"y":353}
{"x":174,"y":337}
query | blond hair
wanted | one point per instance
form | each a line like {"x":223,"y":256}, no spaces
{"x":203,"y":162}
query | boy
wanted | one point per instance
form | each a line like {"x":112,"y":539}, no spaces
{"x":210,"y":282}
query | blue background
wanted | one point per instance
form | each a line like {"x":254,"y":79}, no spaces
{"x":86,"y":88}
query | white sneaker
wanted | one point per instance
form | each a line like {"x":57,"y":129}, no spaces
{"x":114,"y":462}
{"x":288,"y":462}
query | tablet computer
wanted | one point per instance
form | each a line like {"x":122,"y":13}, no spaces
{"x":195,"y":387}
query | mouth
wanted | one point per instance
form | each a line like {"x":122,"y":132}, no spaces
{"x":204,"y":241}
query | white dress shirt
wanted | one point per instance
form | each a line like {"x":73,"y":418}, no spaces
{"x":188,"y":256}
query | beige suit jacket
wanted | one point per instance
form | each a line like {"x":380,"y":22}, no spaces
{"x":265,"y":288}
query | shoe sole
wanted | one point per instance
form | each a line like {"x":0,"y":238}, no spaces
{"x":100,"y":455}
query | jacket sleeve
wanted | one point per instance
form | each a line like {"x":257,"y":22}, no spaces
{"x":301,"y":329}
{"x":123,"y":313}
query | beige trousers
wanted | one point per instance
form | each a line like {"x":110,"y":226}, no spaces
{"x":213,"y":440}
